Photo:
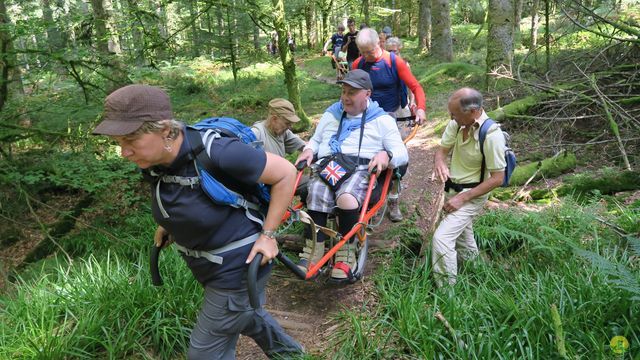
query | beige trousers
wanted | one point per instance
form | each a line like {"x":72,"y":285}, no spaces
{"x":453,"y":240}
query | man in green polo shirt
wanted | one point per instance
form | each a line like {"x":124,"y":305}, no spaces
{"x":277,"y":137}
{"x":465,"y":195}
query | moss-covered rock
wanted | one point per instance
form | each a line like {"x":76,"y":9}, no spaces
{"x":458,"y":70}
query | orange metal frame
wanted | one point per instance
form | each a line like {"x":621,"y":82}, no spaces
{"x":365,"y":214}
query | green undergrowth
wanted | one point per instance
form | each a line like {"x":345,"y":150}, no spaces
{"x":102,"y":304}
{"x":501,"y":307}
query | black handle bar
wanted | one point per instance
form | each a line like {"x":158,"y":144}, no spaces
{"x":252,"y":281}
{"x":156,"y":279}
{"x":301,"y":165}
{"x":252,"y":276}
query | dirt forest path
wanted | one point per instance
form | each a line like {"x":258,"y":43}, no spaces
{"x":308,"y":310}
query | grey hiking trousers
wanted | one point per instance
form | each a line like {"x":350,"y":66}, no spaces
{"x":225,"y":314}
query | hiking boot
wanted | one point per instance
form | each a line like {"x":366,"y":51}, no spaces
{"x":311,"y":254}
{"x":394,"y":210}
{"x":345,"y":261}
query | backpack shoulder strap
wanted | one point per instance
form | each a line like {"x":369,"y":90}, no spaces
{"x":197,"y":149}
{"x":402,"y":94}
{"x":481,"y":137}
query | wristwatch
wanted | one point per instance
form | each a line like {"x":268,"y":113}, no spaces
{"x":389,"y":154}
{"x":269,"y":233}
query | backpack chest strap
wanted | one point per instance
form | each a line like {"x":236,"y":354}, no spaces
{"x":213,"y":255}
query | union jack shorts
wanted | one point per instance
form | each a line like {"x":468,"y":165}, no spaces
{"x":323,"y":199}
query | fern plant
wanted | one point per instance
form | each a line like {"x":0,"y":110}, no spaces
{"x":618,"y":274}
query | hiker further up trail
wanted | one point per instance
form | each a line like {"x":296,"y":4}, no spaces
{"x":139,"y":118}
{"x":390,"y":76}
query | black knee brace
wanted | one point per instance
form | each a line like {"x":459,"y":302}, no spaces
{"x":319,"y":218}
{"x":347,"y":219}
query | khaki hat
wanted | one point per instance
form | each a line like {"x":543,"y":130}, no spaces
{"x":127,"y":108}
{"x":358,"y":79}
{"x":283,"y":108}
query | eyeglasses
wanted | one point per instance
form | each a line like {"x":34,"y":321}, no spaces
{"x":393,"y":51}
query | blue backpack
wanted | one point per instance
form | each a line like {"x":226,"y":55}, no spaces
{"x":259,"y":197}
{"x":403,"y":91}
{"x":509,"y":155}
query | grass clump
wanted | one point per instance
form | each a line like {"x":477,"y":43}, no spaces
{"x":102,"y":306}
{"x":508,"y":303}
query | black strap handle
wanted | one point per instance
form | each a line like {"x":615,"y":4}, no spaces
{"x":252,"y":281}
{"x":156,"y":279}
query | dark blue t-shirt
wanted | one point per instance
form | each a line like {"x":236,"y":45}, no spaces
{"x":197,"y":223}
{"x":336,"y":41}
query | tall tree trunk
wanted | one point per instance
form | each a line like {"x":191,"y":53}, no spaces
{"x":395,"y":17}
{"x":112,"y":28}
{"x":517,"y":16}
{"x":365,"y":12}
{"x":325,"y":8}
{"x":256,"y":37}
{"x":288,"y":64}
{"x":500,"y":36}
{"x":309,"y":19}
{"x":137,"y":51}
{"x":195,"y":37}
{"x":441,"y":42}
{"x":424,"y":25}
{"x":54,"y":38}
{"x":231,"y":41}
{"x":162,"y":52}
{"x":82,"y":32}
{"x":100,"y":26}
{"x":535,"y":24}
{"x":547,"y":35}
{"x":5,"y":47}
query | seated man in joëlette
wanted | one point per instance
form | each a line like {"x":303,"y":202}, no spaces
{"x":354,"y":137}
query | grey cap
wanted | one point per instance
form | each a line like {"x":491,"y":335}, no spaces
{"x":358,"y":79}
{"x":386,"y":30}
{"x":127,"y":108}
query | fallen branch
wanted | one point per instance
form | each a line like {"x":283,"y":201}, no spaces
{"x":450,"y":329}
{"x":559,"y":333}
{"x":612,"y":123}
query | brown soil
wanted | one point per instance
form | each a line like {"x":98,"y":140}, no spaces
{"x":308,"y":310}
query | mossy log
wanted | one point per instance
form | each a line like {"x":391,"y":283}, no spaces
{"x":607,"y":182}
{"x":547,"y":168}
{"x":517,"y":107}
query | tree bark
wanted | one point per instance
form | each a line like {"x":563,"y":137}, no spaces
{"x":535,"y":24}
{"x":256,"y":37}
{"x":137,"y":51}
{"x":424,"y":26}
{"x":500,"y":37}
{"x":232,"y":40}
{"x":365,"y":11}
{"x":54,"y":39}
{"x":112,"y":28}
{"x":325,"y":8}
{"x":5,"y":46}
{"x":312,"y":31}
{"x":195,"y":37}
{"x":441,"y":41}
{"x":517,"y":16}
{"x":288,"y":64}
{"x":100,"y":26}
